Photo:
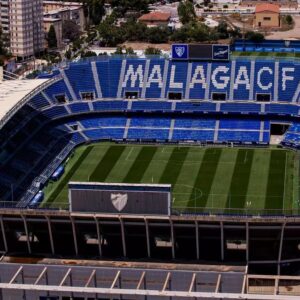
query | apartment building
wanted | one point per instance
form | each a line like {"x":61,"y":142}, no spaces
{"x":23,"y":21}
{"x":4,"y":16}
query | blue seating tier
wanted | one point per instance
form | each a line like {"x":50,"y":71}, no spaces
{"x":39,"y":101}
{"x":150,"y":122}
{"x":239,"y":124}
{"x":103,"y":122}
{"x":81,"y":78}
{"x":79,"y":107}
{"x":239,"y":136}
{"x":195,"y":123}
{"x":148,"y":134}
{"x":193,"y":135}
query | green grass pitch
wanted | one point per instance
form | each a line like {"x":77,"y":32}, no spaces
{"x":203,"y":179}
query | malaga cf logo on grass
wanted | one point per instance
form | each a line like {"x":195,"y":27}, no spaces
{"x":119,"y":201}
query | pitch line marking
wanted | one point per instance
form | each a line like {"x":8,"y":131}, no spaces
{"x":129,"y":153}
{"x":245,"y":159}
{"x":284,"y":182}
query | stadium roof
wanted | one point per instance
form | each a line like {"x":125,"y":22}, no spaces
{"x":267,"y":7}
{"x":13,"y":91}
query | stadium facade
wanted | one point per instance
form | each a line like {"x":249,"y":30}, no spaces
{"x":153,"y":100}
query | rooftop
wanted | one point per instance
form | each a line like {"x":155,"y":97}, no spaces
{"x":155,"y":16}
{"x":267,"y":7}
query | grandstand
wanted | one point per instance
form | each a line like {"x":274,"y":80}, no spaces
{"x":225,"y":135}
{"x":239,"y":102}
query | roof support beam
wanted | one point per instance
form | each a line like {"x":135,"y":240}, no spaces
{"x":65,"y":277}
{"x":3,"y":234}
{"x":40,"y":276}
{"x":16,"y":275}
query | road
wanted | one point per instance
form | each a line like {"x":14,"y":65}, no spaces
{"x":286,"y":35}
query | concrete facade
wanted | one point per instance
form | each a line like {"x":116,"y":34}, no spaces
{"x":26,"y":27}
{"x":22,"y":21}
{"x":57,"y":23}
{"x":65,"y":11}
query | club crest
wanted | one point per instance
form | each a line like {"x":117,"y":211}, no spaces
{"x":119,"y":201}
{"x":179,"y":50}
{"x":221,"y":52}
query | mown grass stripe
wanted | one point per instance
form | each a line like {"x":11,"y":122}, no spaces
{"x":140,"y":165}
{"x":240,"y":179}
{"x":106,"y":164}
{"x":276,"y":180}
{"x":68,"y":176}
{"x":174,"y":165}
{"x":205,"y":178}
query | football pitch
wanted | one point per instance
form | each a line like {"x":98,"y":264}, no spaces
{"x":203,"y":179}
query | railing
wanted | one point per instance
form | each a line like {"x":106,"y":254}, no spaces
{"x":39,"y":206}
{"x":177,"y":211}
{"x":238,"y":212}
{"x":44,"y":176}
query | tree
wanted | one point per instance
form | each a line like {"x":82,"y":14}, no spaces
{"x":51,"y":38}
{"x":152,"y":51}
{"x":181,"y":35}
{"x":255,"y":37}
{"x":186,"y":12}
{"x":110,"y":34}
{"x":222,"y":29}
{"x":289,"y":19}
{"x":70,"y":30}
{"x":96,"y":10}
{"x":122,"y":6}
{"x":124,"y":50}
{"x":68,"y":54}
{"x":158,"y":35}
{"x":134,"y":31}
{"x":88,"y":54}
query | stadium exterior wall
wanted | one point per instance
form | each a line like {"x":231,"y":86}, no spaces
{"x":259,"y":241}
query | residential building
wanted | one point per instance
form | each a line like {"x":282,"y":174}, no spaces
{"x":71,"y":11}
{"x":281,"y":3}
{"x":4,"y":16}
{"x":267,"y":15}
{"x":22,"y":21}
{"x":156,"y":18}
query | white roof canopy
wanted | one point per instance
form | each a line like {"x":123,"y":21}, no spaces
{"x":13,"y":91}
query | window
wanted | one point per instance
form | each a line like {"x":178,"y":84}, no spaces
{"x":74,"y":127}
{"x":219,"y":96}
{"x":61,"y":98}
{"x":22,"y":237}
{"x":263,"y":97}
{"x":267,"y":18}
{"x":175,"y":96}
{"x":236,"y":245}
{"x":131,"y":95}
{"x":87,"y":96}
{"x":163,"y":241}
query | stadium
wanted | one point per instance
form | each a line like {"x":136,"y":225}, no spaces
{"x":159,"y":168}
